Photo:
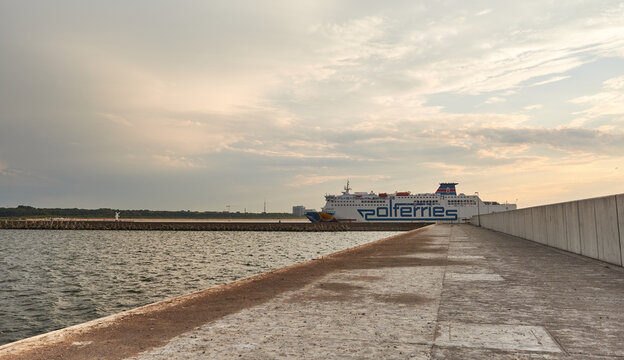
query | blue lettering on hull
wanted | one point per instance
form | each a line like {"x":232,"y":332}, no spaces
{"x":408,"y":212}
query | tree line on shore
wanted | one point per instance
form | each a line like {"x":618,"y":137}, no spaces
{"x":23,"y":211}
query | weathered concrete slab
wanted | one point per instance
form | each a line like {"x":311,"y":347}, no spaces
{"x":454,"y":276}
{"x":465,"y":257}
{"x":495,"y":336}
{"x":419,"y":295}
{"x":574,"y":299}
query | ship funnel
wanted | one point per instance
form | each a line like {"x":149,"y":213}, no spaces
{"x":447,"y":189}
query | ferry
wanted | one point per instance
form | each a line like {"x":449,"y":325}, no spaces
{"x":445,"y":205}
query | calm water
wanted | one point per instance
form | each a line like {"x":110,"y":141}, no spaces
{"x":54,"y":279}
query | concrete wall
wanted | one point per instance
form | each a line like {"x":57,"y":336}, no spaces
{"x":591,"y":227}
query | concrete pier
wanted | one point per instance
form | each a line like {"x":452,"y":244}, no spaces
{"x":204,"y":226}
{"x":439,"y":292}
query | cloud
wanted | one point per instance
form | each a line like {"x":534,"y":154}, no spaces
{"x":533,"y":107}
{"x":15,"y":176}
{"x":614,"y":83}
{"x":451,"y":169}
{"x":314,"y":179}
{"x":178,"y":162}
{"x":551,"y":80}
{"x":494,"y":100}
{"x":116,"y":119}
{"x":569,"y":140}
{"x":609,"y":102}
{"x":382,"y":65}
{"x":293,"y":154}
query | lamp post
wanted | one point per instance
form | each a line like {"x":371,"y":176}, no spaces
{"x":478,"y":209}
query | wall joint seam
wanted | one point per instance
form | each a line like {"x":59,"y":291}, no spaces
{"x":617,"y":220}
{"x":578,"y":216}
{"x":596,"y":227}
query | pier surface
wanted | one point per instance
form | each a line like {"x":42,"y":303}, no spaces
{"x":440,"y":292}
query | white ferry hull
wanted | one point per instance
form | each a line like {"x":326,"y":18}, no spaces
{"x":443,"y":206}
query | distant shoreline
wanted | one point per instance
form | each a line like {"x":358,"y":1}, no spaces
{"x":103,"y":214}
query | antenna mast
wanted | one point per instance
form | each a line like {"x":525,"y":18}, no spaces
{"x":347,"y":188}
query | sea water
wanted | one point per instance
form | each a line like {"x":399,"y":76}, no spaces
{"x":51,"y":279}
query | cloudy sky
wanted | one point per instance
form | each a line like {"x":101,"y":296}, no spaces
{"x":203,"y":104}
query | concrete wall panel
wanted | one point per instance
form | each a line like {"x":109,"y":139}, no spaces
{"x":551,"y":231}
{"x":592,"y":227}
{"x":536,"y":225}
{"x":505,"y":218}
{"x":542,"y":232}
{"x":559,"y":239}
{"x":508,"y":226}
{"x":511,"y":218}
{"x":528,"y":224}
{"x":570,"y":213}
{"x":544,"y":225}
{"x":607,"y":230}
{"x":506,"y":223}
{"x":587,"y":218}
{"x":497,"y":222}
{"x":523,"y":228}
{"x":620,"y":215}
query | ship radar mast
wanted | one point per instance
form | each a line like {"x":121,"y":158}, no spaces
{"x":347,"y":188}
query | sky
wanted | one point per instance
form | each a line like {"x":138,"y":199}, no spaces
{"x":209,"y":105}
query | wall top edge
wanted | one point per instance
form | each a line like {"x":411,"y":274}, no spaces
{"x":559,"y":203}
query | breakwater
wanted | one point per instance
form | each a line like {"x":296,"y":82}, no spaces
{"x":202,"y":226}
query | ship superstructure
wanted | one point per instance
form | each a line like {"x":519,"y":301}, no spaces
{"x":445,"y":205}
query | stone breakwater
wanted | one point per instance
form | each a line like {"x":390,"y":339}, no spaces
{"x":202,"y":226}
